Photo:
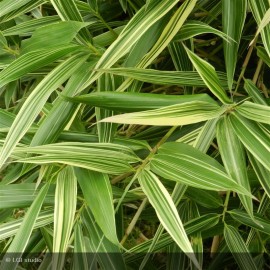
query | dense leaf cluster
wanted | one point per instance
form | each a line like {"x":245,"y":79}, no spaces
{"x":134,"y":134}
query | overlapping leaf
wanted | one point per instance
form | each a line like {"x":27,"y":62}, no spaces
{"x":174,"y":115}
{"x":183,"y":163}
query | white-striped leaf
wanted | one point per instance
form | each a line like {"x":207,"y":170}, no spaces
{"x":23,"y":234}
{"x":93,"y":156}
{"x":35,"y":102}
{"x":256,"y":112}
{"x":234,"y":159}
{"x":209,"y":76}
{"x":238,"y":248}
{"x":64,"y":212}
{"x":259,"y":10}
{"x":253,"y":137}
{"x":166,"y":211}
{"x":174,"y":115}
{"x":185,"y":164}
{"x":133,"y":31}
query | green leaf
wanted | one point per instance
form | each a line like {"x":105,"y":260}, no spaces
{"x":259,"y":223}
{"x":238,"y":248}
{"x":104,"y":251}
{"x":10,"y":228}
{"x":22,"y":237}
{"x":183,"y":78}
{"x":64,"y":212}
{"x":32,"y":61}
{"x":7,"y":6}
{"x":80,"y":255}
{"x":259,"y":10}
{"x":166,"y":211}
{"x":27,"y":27}
{"x":183,"y":163}
{"x":234,"y":159}
{"x":193,"y":28}
{"x":233,"y":18}
{"x":134,"y":30}
{"x":262,"y":53}
{"x":53,"y":35}
{"x":68,"y":11}
{"x":35,"y":102}
{"x":254,"y":92}
{"x":174,"y":115}
{"x":262,"y":173}
{"x":21,"y":195}
{"x":97,"y":192}
{"x":209,"y":76}
{"x":93,"y":156}
{"x":11,"y":10}
{"x":256,"y":112}
{"x":133,"y":102}
{"x":253,"y":137}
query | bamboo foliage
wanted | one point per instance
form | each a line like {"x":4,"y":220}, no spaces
{"x":134,"y":134}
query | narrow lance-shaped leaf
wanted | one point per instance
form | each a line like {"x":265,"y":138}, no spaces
{"x":93,"y":156}
{"x":234,"y":160}
{"x":259,"y":9}
{"x":262,"y":173}
{"x":238,"y":248}
{"x":35,"y":102}
{"x":32,"y":61}
{"x":262,"y":53}
{"x":209,"y":76}
{"x":242,"y":217}
{"x":254,"y":92}
{"x":166,"y":211}
{"x":133,"y":102}
{"x":174,"y":115}
{"x":53,"y":35}
{"x":97,"y":192}
{"x":253,"y":137}
{"x":170,"y":30}
{"x":136,"y":27}
{"x":80,"y":255}
{"x":65,"y":207}
{"x":21,"y":239}
{"x":185,"y":164}
{"x":256,"y":112}
{"x":193,"y":28}
{"x":27,"y":27}
{"x":186,"y":78}
{"x":233,"y":18}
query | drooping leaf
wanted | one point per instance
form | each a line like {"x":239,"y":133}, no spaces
{"x":97,"y":192}
{"x":238,"y":248}
{"x":244,"y":218}
{"x":256,"y":112}
{"x":234,"y":160}
{"x":166,"y":211}
{"x":253,"y":137}
{"x":183,"y":163}
{"x":64,"y":212}
{"x":254,"y":92}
